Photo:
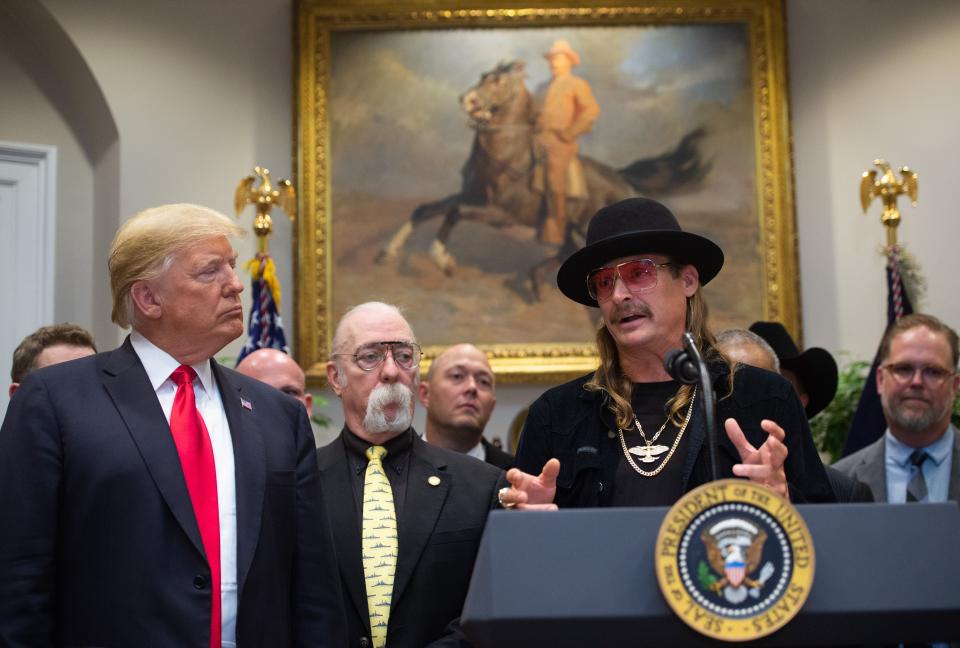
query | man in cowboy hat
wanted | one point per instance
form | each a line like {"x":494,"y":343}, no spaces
{"x":813,"y":373}
{"x":568,"y":110}
{"x":628,"y":435}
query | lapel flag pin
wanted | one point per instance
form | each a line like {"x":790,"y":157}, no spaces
{"x":245,"y":404}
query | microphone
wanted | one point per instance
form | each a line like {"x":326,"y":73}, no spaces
{"x":687,"y":366}
{"x":681,"y":367}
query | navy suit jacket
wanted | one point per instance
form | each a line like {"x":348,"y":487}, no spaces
{"x":439,"y":534}
{"x":99,"y":545}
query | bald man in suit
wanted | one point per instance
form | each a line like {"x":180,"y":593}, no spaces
{"x":404,"y":589}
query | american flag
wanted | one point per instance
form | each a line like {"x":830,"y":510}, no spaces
{"x":868,"y":421}
{"x":265,"y":327}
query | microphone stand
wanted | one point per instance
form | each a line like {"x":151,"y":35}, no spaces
{"x":688,"y":367}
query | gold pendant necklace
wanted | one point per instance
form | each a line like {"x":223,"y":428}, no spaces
{"x":648,"y":452}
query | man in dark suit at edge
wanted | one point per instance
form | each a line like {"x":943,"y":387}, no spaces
{"x":151,"y":497}
{"x":407,"y":516}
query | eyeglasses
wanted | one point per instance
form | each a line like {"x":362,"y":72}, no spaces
{"x":904,"y":372}
{"x":638,"y":276}
{"x":370,"y":356}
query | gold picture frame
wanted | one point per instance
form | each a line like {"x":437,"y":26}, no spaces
{"x":347,"y":52}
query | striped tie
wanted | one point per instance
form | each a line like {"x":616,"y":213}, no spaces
{"x":917,"y":487}
{"x":379,"y":544}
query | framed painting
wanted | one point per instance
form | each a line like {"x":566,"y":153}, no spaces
{"x":421,"y":181}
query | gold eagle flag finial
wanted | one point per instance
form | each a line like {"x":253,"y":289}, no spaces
{"x":888,"y":188}
{"x":264,"y":198}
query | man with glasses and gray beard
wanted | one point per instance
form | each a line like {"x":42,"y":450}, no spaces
{"x":407,"y":516}
{"x":918,"y":459}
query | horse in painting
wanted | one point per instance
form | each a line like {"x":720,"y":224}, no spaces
{"x":499,"y":187}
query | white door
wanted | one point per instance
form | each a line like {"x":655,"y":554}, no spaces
{"x":28,"y":175}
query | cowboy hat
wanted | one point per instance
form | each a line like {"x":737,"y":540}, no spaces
{"x":815,"y":368}
{"x":635,"y":226}
{"x":562,"y":47}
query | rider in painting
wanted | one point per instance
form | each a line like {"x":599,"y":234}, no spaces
{"x":567,"y":111}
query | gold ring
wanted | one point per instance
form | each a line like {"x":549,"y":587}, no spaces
{"x":506,"y":505}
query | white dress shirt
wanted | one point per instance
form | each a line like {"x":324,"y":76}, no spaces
{"x":159,"y":365}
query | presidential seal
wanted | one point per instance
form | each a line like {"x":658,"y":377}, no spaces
{"x":734,"y":560}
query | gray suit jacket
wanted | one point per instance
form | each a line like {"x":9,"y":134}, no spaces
{"x":867,"y":465}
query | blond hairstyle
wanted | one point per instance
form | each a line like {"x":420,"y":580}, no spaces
{"x":145,"y":246}
{"x":610,"y":379}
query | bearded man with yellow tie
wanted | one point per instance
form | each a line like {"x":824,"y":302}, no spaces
{"x":407,"y":516}
{"x":149,"y":496}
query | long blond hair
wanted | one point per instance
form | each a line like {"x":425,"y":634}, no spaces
{"x":610,"y":378}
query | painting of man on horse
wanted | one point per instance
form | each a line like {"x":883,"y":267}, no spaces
{"x":506,"y":179}
{"x":440,"y":190}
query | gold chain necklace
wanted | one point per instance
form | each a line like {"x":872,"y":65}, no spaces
{"x":649,"y":452}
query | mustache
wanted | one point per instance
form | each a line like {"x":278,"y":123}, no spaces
{"x":382,"y":397}
{"x":629,"y":309}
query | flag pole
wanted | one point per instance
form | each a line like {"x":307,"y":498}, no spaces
{"x":265,"y":326}
{"x":868,"y":422}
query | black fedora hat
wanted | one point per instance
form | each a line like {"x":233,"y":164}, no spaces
{"x":815,"y":367}
{"x":635,"y":226}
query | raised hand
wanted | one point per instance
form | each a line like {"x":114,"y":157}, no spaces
{"x":763,"y":465}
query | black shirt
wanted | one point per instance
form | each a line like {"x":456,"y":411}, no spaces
{"x":396,"y":464}
{"x":630,"y":488}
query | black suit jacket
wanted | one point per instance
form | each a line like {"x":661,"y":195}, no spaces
{"x":847,"y":489}
{"x":99,"y":543}
{"x":497,"y":457}
{"x":439,"y":533}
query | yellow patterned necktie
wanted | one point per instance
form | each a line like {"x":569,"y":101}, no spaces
{"x":379,"y":544}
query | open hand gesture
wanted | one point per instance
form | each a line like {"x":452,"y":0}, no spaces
{"x":532,"y":493}
{"x":763,"y":465}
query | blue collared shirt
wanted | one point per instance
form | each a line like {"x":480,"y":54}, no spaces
{"x":936,"y":469}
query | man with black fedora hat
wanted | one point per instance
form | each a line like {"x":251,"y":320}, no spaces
{"x":629,"y":435}
{"x":813,"y":373}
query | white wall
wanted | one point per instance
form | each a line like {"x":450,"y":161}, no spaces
{"x":869,"y":79}
{"x":202,"y":91}
{"x":27,"y":116}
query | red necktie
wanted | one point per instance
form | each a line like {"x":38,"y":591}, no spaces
{"x":196,"y":458}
